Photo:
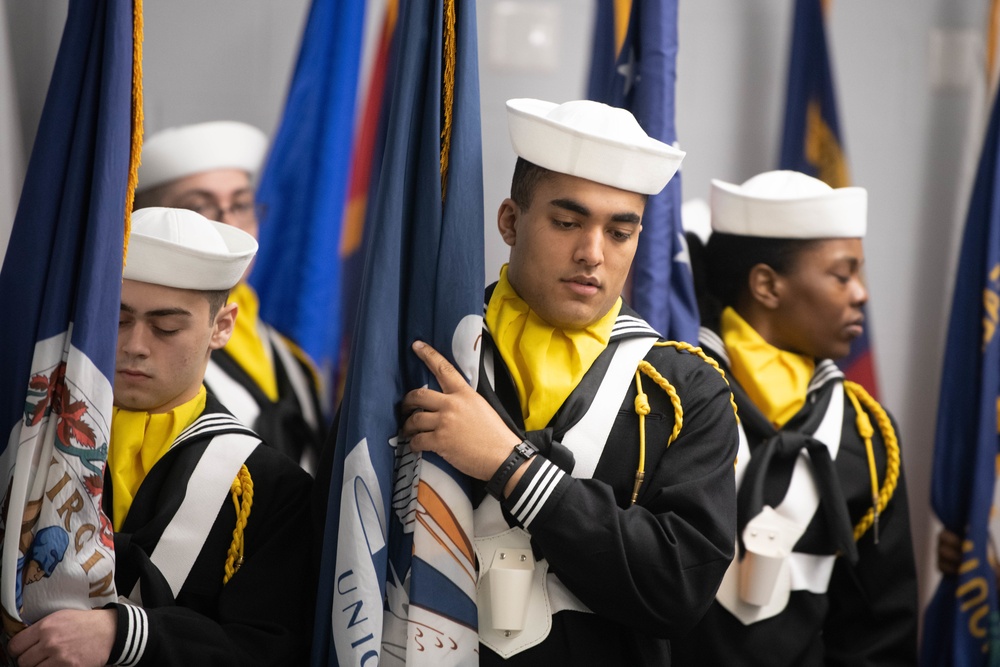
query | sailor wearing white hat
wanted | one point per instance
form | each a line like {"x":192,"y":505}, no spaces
{"x":825,"y":571}
{"x":177,"y":463}
{"x":620,"y":499}
{"x":262,"y":377}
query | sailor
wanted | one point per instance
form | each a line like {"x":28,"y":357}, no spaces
{"x":606,"y":454}
{"x":824,"y":573}
{"x":211,"y":529}
{"x":262,"y":377}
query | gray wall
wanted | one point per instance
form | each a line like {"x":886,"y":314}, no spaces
{"x":912,"y":107}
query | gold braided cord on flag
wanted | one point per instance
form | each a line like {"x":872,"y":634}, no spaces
{"x":857,"y":394}
{"x":136,"y":152}
{"x":242,"y":490}
{"x":449,"y":53}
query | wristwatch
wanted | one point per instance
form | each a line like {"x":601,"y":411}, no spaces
{"x":522,"y":451}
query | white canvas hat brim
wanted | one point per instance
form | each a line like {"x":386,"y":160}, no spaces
{"x":593,"y":141}
{"x":834,"y":213}
{"x":180,"y":248}
{"x":192,"y":149}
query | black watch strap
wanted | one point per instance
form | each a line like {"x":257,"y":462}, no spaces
{"x":522,"y":452}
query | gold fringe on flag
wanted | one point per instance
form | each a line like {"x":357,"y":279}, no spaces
{"x":623,"y":12}
{"x":447,"y":91}
{"x":136,"y":149}
{"x":991,"y":47}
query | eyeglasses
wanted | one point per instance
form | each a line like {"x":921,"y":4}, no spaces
{"x":242,"y":211}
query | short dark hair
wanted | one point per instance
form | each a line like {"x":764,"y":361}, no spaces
{"x":527,"y":176}
{"x":216,"y":300}
{"x":728,"y":259}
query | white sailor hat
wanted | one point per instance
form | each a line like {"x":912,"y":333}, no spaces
{"x":182,"y":151}
{"x":179,"y":248}
{"x":788,"y":204}
{"x":592,"y":141}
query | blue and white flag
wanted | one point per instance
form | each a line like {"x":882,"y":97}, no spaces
{"x":60,"y":292}
{"x":397,"y":581}
{"x":962,"y":622}
{"x":642,"y":79}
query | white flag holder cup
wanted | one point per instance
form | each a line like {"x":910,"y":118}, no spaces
{"x":768,"y":538}
{"x":510,"y":578}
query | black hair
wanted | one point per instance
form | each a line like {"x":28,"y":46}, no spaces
{"x":216,"y":300}
{"x":527,"y":176}
{"x":722,"y":269}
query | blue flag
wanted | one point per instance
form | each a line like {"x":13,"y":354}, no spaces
{"x":60,"y":292}
{"x":397,"y":580}
{"x":642,"y":79}
{"x":962,"y":622}
{"x":811,"y":142}
{"x":304,"y":184}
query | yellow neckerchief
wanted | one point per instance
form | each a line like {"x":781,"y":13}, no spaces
{"x":546,"y":363}
{"x":138,"y":441}
{"x":246,"y":346}
{"x":775,"y":380}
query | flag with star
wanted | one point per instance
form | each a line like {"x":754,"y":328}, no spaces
{"x":634,"y":66}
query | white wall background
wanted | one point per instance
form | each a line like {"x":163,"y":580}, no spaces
{"x":912,"y":105}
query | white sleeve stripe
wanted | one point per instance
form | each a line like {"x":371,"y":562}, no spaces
{"x":136,"y":635}
{"x":545,"y":491}
{"x":531,"y":487}
{"x":543,"y":484}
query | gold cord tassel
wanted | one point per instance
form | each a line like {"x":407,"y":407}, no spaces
{"x":880,"y":498}
{"x":242,"y":490}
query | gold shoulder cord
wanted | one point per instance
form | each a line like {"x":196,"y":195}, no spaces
{"x":642,"y":402}
{"x":880,"y":498}
{"x":242,"y":490}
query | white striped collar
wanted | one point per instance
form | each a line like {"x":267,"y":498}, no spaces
{"x":825,"y":371}
{"x":627,"y":325}
{"x":210,"y":423}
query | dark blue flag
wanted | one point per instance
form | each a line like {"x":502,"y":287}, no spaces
{"x":304,"y":184}
{"x":642,"y":79}
{"x":60,"y":292}
{"x":962,"y":623}
{"x":811,"y":142}
{"x":398,"y":574}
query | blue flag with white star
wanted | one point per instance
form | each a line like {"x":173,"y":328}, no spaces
{"x":642,"y":78}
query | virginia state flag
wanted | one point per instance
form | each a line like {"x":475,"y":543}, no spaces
{"x":962,"y":622}
{"x":641,"y":77}
{"x":397,"y":581}
{"x":304,"y":184}
{"x":60,"y":292}
{"x":811,"y":142}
